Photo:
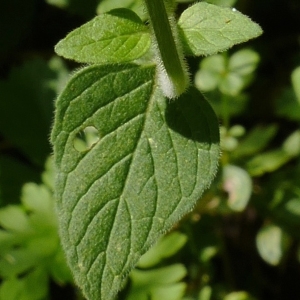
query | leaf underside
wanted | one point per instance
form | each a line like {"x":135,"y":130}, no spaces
{"x":206,"y":29}
{"x":151,"y":164}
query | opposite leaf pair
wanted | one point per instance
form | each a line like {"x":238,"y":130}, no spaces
{"x":153,"y":158}
{"x":120,"y":36}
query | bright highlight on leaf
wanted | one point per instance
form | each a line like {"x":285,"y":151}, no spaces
{"x":152,"y":163}
{"x":206,"y":29}
{"x":114,"y":37}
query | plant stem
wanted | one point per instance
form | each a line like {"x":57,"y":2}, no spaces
{"x":174,"y":79}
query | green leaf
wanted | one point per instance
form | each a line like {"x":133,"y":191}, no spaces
{"x":238,"y":296}
{"x":17,"y":262}
{"x":11,"y":289}
{"x":166,"y":247}
{"x":212,"y":70}
{"x":158,"y":283}
{"x":114,"y":37}
{"x":287,"y":105}
{"x":292,"y":144}
{"x":237,"y":183}
{"x":271,"y":242}
{"x":256,"y":140}
{"x":229,"y":75}
{"x":205,"y":293}
{"x":267,"y":162}
{"x":243,"y":62}
{"x":134,"y":5}
{"x":296,"y":82}
{"x":206,"y":29}
{"x":34,"y":286}
{"x":14,"y":218}
{"x":85,"y":9}
{"x":222,"y":2}
{"x":150,"y":166}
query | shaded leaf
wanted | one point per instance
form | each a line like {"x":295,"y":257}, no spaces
{"x":287,"y":105}
{"x":150,"y":166}
{"x":206,"y":29}
{"x":134,"y":5}
{"x":27,"y":98}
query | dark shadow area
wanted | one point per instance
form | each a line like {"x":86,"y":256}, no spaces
{"x":193,"y":117}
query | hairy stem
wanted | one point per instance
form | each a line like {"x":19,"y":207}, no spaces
{"x":173,"y":74}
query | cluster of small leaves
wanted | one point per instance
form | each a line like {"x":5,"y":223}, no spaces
{"x":245,"y":157}
{"x":30,"y":251}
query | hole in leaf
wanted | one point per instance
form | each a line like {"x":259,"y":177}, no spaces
{"x":85,"y":139}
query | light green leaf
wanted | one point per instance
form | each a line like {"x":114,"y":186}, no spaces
{"x":212,"y":70}
{"x":256,"y":140}
{"x":237,"y":183}
{"x":296,"y":83}
{"x":267,"y":162}
{"x":14,"y":218}
{"x":243,"y":62}
{"x":11,"y":289}
{"x":206,"y":29}
{"x":238,"y":296}
{"x":166,"y":247}
{"x":292,"y":144}
{"x":114,"y":37}
{"x":158,"y":283}
{"x":271,"y":242}
{"x":16,"y":262}
{"x":150,"y":166}
{"x":205,"y":293}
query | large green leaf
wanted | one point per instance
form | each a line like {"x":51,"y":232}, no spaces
{"x":206,"y":29}
{"x":151,"y":164}
{"x":114,"y":37}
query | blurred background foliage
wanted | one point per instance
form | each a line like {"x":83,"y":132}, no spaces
{"x":241,"y":242}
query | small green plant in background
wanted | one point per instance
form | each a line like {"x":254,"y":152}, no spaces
{"x":154,"y":157}
{"x":30,"y":249}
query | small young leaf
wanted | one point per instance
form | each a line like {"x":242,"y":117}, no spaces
{"x":114,"y":37}
{"x":296,"y":82}
{"x":256,"y":140}
{"x":206,"y":29}
{"x":271,"y":242}
{"x":166,"y":247}
{"x":238,"y":296}
{"x":159,"y":283}
{"x":151,"y":164}
{"x":238,"y":185}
